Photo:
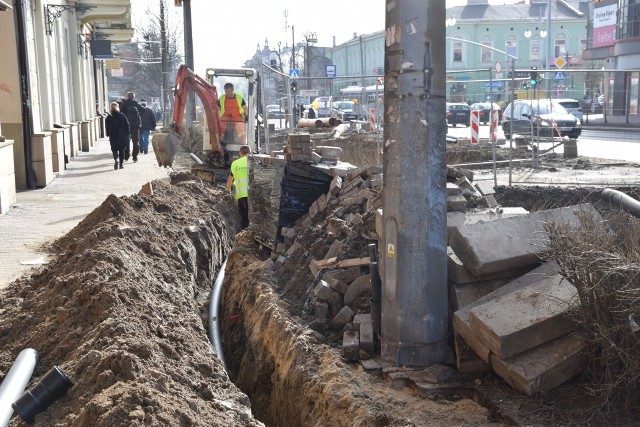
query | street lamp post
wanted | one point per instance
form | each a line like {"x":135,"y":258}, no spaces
{"x":310,"y":39}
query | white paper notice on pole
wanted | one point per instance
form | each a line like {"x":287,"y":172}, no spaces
{"x":117,"y":73}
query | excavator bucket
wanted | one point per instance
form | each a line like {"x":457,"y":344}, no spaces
{"x":165,"y":146}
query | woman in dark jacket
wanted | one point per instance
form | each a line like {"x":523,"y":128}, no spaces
{"x":118,"y":132}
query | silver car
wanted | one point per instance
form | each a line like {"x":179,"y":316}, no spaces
{"x":572,"y":106}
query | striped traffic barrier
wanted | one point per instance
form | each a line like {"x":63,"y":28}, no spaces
{"x":475,"y":124}
{"x":494,"y":124}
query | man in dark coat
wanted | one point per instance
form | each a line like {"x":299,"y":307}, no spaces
{"x":117,"y":127}
{"x":132,"y":110}
{"x":148,"y":124}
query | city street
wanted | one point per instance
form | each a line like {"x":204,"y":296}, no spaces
{"x":604,"y":143}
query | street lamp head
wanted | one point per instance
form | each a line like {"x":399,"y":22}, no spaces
{"x":543,"y":33}
{"x":451,"y":21}
{"x":527,"y":33}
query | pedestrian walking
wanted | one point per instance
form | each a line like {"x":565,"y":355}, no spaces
{"x":117,"y":127}
{"x":132,"y":110}
{"x":148,"y":124}
{"x":239,"y":177}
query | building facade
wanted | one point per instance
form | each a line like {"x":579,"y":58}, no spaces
{"x":614,"y":39}
{"x":53,"y":89}
{"x":522,"y":33}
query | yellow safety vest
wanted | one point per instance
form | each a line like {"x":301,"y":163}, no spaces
{"x":240,"y":171}
{"x":238,"y":99}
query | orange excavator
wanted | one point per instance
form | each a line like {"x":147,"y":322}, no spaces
{"x":187,"y":80}
{"x":218,"y":150}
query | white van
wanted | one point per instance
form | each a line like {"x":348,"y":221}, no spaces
{"x":572,"y":106}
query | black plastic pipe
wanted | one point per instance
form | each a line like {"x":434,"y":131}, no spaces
{"x":214,"y":308}
{"x":376,"y":289}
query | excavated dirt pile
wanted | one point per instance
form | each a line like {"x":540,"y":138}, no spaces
{"x":120,"y":311}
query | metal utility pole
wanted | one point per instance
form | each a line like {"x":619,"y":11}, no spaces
{"x":415,"y":321}
{"x":546,"y":59}
{"x":188,"y":59}
{"x":166,"y":89}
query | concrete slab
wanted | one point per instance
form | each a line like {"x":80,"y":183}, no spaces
{"x":461,"y":317}
{"x":525,"y":318}
{"x":510,"y":242}
{"x":542,"y":368}
{"x":455,"y":219}
{"x":458,"y":273}
{"x":463,"y":295}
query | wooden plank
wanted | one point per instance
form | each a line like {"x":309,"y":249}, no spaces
{"x":354,"y":262}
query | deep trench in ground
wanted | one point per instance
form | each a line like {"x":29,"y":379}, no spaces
{"x":122,"y":310}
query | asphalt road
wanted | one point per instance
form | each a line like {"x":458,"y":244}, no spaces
{"x":605,"y":144}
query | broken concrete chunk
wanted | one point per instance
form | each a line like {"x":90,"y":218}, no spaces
{"x":295,"y":250}
{"x":456,"y":203}
{"x":360,"y":288}
{"x":315,"y":157}
{"x":452,"y":189}
{"x":322,"y":311}
{"x":334,"y":249}
{"x":461,"y":317}
{"x":341,"y":319}
{"x":542,"y":368}
{"x":350,"y":274}
{"x":322,"y":203}
{"x":355,"y":219}
{"x":359,"y":172}
{"x":280,"y":248}
{"x":329,"y":151}
{"x":526,"y":318}
{"x":370,"y":365}
{"x":323,"y":291}
{"x":279,"y":263}
{"x":515,"y":242}
{"x":354,"y":201}
{"x":352,"y":185}
{"x":313,"y":209}
{"x":367,"y":343}
{"x":350,"y":345}
{"x":359,"y":318}
{"x":339,"y":285}
{"x":458,"y":273}
{"x":434,"y":374}
{"x":335,"y":186}
{"x":485,"y":188}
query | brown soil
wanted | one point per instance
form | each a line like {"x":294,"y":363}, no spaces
{"x":122,"y":311}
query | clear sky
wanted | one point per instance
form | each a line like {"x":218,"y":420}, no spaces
{"x":226,"y":33}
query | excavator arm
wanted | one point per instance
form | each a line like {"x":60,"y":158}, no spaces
{"x":187,"y":80}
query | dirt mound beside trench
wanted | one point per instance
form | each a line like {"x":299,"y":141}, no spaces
{"x":119,"y":310}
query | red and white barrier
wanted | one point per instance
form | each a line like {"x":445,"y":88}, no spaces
{"x":373,"y":117}
{"x":475,"y":125}
{"x":494,"y":124}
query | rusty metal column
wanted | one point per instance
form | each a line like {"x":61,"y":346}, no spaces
{"x":415,"y":321}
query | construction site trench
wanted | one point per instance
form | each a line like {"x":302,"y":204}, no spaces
{"x":122,"y":310}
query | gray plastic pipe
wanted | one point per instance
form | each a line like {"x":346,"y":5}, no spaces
{"x":16,"y":382}
{"x":214,"y":308}
{"x":627,"y":203}
{"x":196,"y":158}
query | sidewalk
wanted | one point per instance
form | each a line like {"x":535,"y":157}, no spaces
{"x":612,"y":122}
{"x":43,"y":215}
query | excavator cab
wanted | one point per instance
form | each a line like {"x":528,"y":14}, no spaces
{"x":234,"y":132}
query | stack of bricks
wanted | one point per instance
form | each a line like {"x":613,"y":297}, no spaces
{"x":299,"y":148}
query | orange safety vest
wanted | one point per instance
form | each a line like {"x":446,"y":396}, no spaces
{"x":230,"y":108}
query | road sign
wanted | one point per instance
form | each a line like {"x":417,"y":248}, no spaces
{"x":309,"y":92}
{"x":558,"y":75}
{"x":294,"y":74}
{"x":560,"y":62}
{"x":331,"y":70}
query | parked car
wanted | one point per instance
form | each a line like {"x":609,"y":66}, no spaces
{"x":324,"y":106}
{"x":485,"y":111}
{"x":547,"y":117}
{"x":458,"y":113}
{"x":345,"y":110}
{"x":572,"y":106}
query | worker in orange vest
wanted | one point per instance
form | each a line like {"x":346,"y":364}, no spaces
{"x":233,"y":115}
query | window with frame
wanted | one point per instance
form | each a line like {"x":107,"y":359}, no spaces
{"x":487,"y":54}
{"x":457,"y":52}
{"x":560,"y":46}
{"x":512,"y":46}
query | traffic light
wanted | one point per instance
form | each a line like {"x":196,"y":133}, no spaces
{"x":294,"y":87}
{"x":533,"y":77}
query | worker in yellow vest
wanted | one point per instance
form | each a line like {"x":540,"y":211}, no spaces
{"x":233,"y":115}
{"x":239,"y":177}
